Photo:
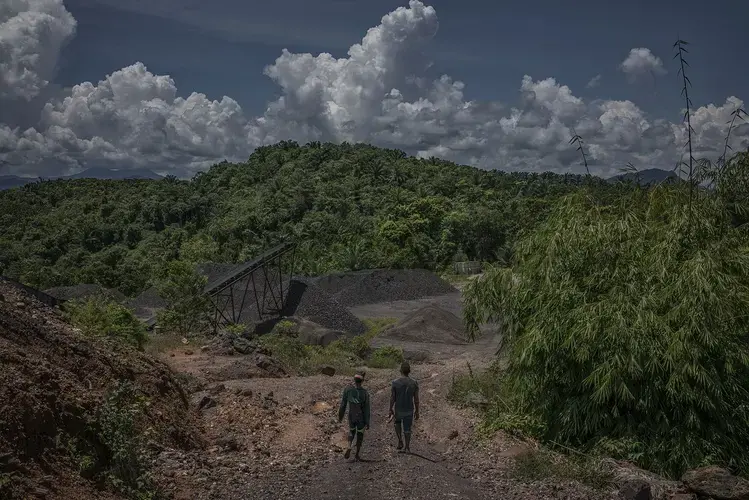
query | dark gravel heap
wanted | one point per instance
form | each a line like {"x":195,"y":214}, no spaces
{"x":146,"y":305}
{"x":429,"y":324}
{"x":383,"y":285}
{"x":309,"y":301}
{"x":84,"y":291}
{"x":335,"y":283}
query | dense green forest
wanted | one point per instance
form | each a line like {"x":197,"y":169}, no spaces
{"x":625,"y":324}
{"x":347,"y":206}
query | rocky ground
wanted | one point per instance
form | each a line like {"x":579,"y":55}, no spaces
{"x":278,"y":438}
{"x":240,"y":426}
{"x":53,"y":385}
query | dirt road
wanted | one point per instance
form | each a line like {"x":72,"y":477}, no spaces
{"x":279,"y":439}
{"x":427,"y":473}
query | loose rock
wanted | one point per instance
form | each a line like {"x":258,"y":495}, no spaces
{"x":206,"y":402}
{"x":635,"y":490}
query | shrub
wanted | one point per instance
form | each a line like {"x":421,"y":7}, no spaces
{"x":187,"y":310}
{"x":626,"y":325}
{"x":125,"y":468}
{"x":386,"y":357}
{"x":306,"y":359}
{"x":100,"y":318}
{"x":286,"y":327}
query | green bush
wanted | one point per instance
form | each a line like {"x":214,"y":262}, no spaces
{"x":188,"y":309}
{"x":288,"y":351}
{"x":626,"y":327}
{"x":286,"y":327}
{"x":101,"y":318}
{"x":125,"y":464}
{"x":385,"y":357}
{"x":306,"y":359}
{"x":344,"y":354}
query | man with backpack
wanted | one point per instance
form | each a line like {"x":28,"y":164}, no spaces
{"x":356,"y":398}
{"x":404,"y":405}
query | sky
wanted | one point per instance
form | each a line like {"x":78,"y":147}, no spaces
{"x":178,"y":85}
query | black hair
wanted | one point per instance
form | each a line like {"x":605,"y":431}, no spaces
{"x":405,"y":368}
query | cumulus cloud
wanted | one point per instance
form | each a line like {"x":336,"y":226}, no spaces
{"x":378,"y":93}
{"x":594,"y":82}
{"x":641,"y":62}
{"x":32,"y":33}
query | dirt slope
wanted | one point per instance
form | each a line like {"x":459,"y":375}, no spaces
{"x":52,"y":384}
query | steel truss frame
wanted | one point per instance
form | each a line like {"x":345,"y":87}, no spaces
{"x":240,"y":286}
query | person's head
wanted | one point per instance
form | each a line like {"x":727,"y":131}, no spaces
{"x":405,"y":368}
{"x":359,"y":377}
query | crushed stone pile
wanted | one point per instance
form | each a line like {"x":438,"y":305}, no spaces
{"x":53,"y":384}
{"x":383,"y":285}
{"x":85,"y":291}
{"x":429,"y":324}
{"x":307,"y":300}
{"x":146,"y":305}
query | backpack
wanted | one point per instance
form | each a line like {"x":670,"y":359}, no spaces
{"x":356,"y":405}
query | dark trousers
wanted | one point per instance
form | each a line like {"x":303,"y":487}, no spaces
{"x":356,"y":429}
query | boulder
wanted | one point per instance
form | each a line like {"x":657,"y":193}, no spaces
{"x":216,"y":389}
{"x":269,"y":365}
{"x":327,"y":370}
{"x":310,"y":333}
{"x":243,"y":346}
{"x":717,"y":483}
{"x":635,"y":490}
{"x":628,"y":478}
{"x":202,"y":401}
{"x":415,"y":356}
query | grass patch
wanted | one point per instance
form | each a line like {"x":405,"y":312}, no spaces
{"x":501,"y":408}
{"x":306,"y":359}
{"x":386,"y":357}
{"x":125,"y":463}
{"x":467,"y":386}
{"x":487,"y":391}
{"x":5,"y":480}
{"x":344,"y":355}
{"x":541,"y":464}
{"x":98,"y":317}
{"x":456,"y":280}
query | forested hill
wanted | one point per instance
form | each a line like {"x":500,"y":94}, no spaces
{"x":348,"y":206}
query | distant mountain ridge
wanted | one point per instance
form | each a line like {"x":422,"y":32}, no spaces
{"x":11,"y":181}
{"x":647,"y":176}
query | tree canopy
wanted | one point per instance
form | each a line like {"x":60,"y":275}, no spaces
{"x":347,"y":206}
{"x":626,"y":325}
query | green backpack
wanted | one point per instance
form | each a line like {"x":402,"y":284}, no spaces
{"x":356,"y":400}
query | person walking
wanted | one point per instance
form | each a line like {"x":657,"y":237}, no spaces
{"x":404,"y":405}
{"x":356,"y":398}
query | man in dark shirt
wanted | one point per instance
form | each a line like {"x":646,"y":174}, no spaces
{"x":404,"y":405}
{"x":357,"y":399}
